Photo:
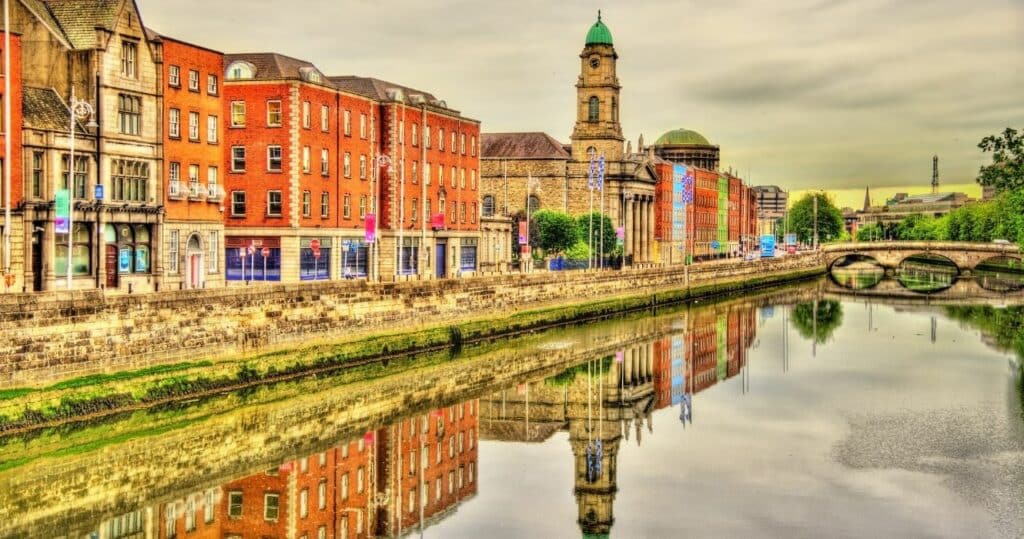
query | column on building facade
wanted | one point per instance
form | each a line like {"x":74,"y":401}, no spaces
{"x":635,"y":230}
{"x":101,"y":248}
{"x":49,"y":256}
{"x":641,"y":235}
{"x":651,"y":216}
{"x":627,"y":225}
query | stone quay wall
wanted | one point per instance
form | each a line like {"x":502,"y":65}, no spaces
{"x":58,"y":335}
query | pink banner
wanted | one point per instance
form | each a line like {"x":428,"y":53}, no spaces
{"x":370,"y":221}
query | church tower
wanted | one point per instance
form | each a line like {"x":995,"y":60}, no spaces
{"x":597,"y":98}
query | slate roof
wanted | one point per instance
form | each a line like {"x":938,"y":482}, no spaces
{"x":272,"y":65}
{"x":78,"y":19}
{"x":42,"y":108}
{"x":535,"y":145}
{"x":377,"y":89}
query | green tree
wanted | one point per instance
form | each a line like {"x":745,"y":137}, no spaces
{"x":830,"y":219}
{"x":583,"y":227}
{"x":873,"y":232}
{"x":552,"y":231}
{"x":1006,"y":173}
{"x":579,"y":251}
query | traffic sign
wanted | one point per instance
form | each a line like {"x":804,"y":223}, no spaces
{"x":715,"y":245}
{"x":265,"y":252}
{"x":314,"y":244}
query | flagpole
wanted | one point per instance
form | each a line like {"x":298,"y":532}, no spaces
{"x":600,"y":263}
{"x":7,"y":142}
{"x":590,"y":215}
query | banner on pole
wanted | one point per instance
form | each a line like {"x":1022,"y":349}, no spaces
{"x":522,"y":232}
{"x":62,"y":218}
{"x":600,"y":172}
{"x":370,"y":222}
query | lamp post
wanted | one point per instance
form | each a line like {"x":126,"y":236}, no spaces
{"x":79,"y":110}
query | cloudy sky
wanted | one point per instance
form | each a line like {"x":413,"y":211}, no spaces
{"x":801,"y":93}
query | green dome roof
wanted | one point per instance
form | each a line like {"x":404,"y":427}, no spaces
{"x":599,"y":34}
{"x":682,"y":136}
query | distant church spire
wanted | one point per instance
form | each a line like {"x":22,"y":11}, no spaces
{"x":935,"y":174}
{"x":867,"y":198}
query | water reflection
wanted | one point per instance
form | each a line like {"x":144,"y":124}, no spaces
{"x":861,"y":275}
{"x":927,"y":273}
{"x":1000,"y":274}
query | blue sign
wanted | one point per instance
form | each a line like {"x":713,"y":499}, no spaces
{"x":98,"y":192}
{"x":767,"y":245}
{"x":715,"y":245}
{"x":124,"y":261}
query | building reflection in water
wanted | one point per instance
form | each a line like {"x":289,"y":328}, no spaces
{"x":388,"y":482}
{"x":606,"y":401}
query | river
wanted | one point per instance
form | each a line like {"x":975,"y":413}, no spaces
{"x":792,"y":413}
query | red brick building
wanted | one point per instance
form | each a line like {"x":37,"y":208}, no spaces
{"x":20,"y":235}
{"x":193,"y":161}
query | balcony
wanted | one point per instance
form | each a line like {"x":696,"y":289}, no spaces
{"x":214,"y":193}
{"x":175,"y":191}
{"x":196,"y":191}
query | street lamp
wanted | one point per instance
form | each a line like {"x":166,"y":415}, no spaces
{"x":79,"y":110}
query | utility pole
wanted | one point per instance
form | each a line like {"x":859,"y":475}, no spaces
{"x":815,"y":221}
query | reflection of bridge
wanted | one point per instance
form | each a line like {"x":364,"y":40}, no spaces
{"x":963,"y":291}
{"x":889,"y":254}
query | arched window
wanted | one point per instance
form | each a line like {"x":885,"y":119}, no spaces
{"x":592,"y":113}
{"x":534,"y":203}
{"x":488,"y":205}
{"x":240,"y":70}
{"x":133,"y":249}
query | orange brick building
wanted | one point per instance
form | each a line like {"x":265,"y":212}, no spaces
{"x":193,"y":160}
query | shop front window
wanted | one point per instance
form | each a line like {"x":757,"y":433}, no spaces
{"x":133,"y":249}
{"x":467,"y":256}
{"x":311,"y":267}
{"x":355,"y":256}
{"x":81,"y":249}
{"x":244,"y":259}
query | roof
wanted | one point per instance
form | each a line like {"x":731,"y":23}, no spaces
{"x":534,"y":145}
{"x":599,"y":33}
{"x":78,"y":19}
{"x":271,"y":65}
{"x":42,"y":108}
{"x":378,"y":89}
{"x":682,"y":136}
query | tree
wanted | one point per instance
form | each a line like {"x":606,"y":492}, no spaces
{"x":583,"y":227}
{"x":872,"y":232}
{"x":830,"y":219}
{"x":1006,"y":173}
{"x":552,"y":231}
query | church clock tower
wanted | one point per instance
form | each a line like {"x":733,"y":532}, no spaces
{"x":597,"y":98}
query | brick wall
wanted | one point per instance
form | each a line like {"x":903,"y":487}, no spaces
{"x":58,"y":335}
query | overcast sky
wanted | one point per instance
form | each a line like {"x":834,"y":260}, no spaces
{"x":800,"y":93}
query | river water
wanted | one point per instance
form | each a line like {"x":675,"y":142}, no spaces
{"x":787,"y":414}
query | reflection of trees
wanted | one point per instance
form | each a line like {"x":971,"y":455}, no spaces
{"x":1004,"y":326}
{"x":821,"y":327}
{"x":567,"y":376}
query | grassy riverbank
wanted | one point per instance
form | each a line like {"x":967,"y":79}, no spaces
{"x":104,"y":394}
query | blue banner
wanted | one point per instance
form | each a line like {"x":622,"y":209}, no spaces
{"x":767,"y":245}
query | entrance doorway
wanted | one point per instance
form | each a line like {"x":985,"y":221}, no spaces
{"x":111,"y":264}
{"x":37,"y":260}
{"x":194,"y":262}
{"x":441,"y":260}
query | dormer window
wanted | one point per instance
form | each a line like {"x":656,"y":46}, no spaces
{"x":241,"y":70}
{"x":310,"y":74}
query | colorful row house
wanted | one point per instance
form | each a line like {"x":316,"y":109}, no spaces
{"x":196,"y":169}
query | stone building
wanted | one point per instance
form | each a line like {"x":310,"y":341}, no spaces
{"x":98,"y":51}
{"x":560,"y":171}
{"x":687,"y":147}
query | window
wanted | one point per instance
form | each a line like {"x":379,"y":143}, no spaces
{"x":462,"y":442}
{"x":270,"y":506}
{"x":437,"y":489}
{"x":440,"y":138}
{"x":212,"y":255}
{"x":325,"y":166}
{"x":462,"y":144}
{"x":533,"y":203}
{"x":304,"y":503}
{"x":360,"y":484}
{"x":362,"y":207}
{"x":305,"y":115}
{"x":211,"y":181}
{"x":453,"y":146}
{"x":174,"y":76}
{"x":412,"y":500}
{"x":238,"y":159}
{"x":462,"y":178}
{"x":592,"y":109}
{"x":273,"y":114}
{"x":170,"y":516}
{"x":362,"y":167}
{"x":325,"y":120}
{"x":346,"y":208}
{"x":426,"y":136}
{"x":129,"y":114}
{"x":439,"y":452}
{"x":132,"y":245}
{"x":129,"y":58}
{"x":238,"y":114}
{"x":472,"y":180}
{"x":321,"y":495}
{"x":307,"y":202}
{"x":193,"y":80}
{"x":238,"y":203}
{"x":462,"y":212}
{"x":472,"y":146}
{"x":344,"y":486}
{"x":346,"y":119}
{"x":274,"y":203}
{"x":415,"y":209}
{"x":321,"y":532}
{"x":454,"y":177}
{"x":193,"y":126}
{"x":174,"y":174}
{"x":440,"y":176}
{"x":190,"y":515}
{"x":211,"y":84}
{"x":129,"y":179}
{"x":362,"y":126}
{"x":240,"y":70}
{"x":37,"y":174}
{"x":325,"y":204}
{"x":306,"y":165}
{"x":274,"y":158}
{"x":81,"y":250}
{"x":81,"y":173}
{"x":193,"y":178}
{"x":208,"y":507}
{"x":415,"y":174}
{"x":451,"y":482}
{"x":211,"y":129}
{"x":172,"y":252}
{"x":488,"y":205}
{"x":235,"y":504}
{"x":347,"y":164}
{"x":415,"y":135}
{"x":426,"y":173}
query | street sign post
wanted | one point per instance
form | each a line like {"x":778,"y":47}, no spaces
{"x":98,"y":191}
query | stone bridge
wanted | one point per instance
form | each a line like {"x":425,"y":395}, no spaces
{"x":889,"y":254}
{"x":960,"y":292}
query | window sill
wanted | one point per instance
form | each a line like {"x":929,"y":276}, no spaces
{"x":236,"y":126}
{"x":241,"y":171}
{"x":233,"y":216}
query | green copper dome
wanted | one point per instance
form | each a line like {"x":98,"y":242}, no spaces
{"x":682,"y":136}
{"x":599,"y":34}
